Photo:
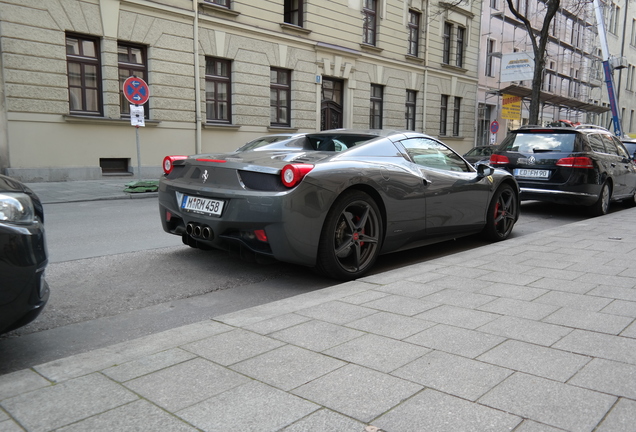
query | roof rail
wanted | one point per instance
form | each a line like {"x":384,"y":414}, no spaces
{"x":591,"y":126}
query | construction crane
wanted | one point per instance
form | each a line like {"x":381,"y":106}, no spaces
{"x":608,"y":69}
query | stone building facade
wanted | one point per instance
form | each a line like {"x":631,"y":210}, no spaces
{"x":222,"y":72}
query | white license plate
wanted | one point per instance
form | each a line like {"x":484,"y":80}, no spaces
{"x":202,"y":205}
{"x":532,"y":173}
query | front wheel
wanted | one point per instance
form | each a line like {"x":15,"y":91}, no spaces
{"x":351,"y":237}
{"x":502,"y":214}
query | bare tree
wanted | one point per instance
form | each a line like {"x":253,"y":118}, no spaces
{"x":539,"y":39}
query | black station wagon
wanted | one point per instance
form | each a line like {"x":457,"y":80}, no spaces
{"x":582,"y":165}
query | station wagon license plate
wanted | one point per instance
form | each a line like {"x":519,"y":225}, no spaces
{"x":202,"y":205}
{"x":531,"y":173}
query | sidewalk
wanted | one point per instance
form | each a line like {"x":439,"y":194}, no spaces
{"x":87,"y":190}
{"x":535,"y":333}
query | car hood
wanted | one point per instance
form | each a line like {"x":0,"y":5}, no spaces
{"x":264,"y":158}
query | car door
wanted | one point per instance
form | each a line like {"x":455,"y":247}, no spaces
{"x":619,"y":167}
{"x":455,"y":197}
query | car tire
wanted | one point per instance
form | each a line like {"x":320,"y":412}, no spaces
{"x":502,"y":214}
{"x":351,"y":237}
{"x":601,"y":206}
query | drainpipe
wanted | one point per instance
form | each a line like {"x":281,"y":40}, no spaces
{"x":426,"y":49}
{"x":197,"y":81}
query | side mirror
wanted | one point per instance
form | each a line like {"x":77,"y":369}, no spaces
{"x":484,"y":170}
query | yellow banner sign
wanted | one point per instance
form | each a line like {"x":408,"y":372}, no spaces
{"x":511,"y":107}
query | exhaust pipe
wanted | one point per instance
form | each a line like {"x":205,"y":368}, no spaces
{"x":197,"y":231}
{"x":190,"y":228}
{"x":206,"y":232}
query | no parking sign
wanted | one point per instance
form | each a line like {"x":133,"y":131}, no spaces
{"x":136,"y":90}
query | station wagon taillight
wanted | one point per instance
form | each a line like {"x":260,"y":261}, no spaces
{"x":168,"y":163}
{"x":496,"y":159}
{"x":575,"y":162}
{"x":292,"y":174}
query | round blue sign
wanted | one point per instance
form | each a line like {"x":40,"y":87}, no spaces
{"x":494,"y":127}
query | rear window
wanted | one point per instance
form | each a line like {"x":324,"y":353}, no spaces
{"x":528,"y":142}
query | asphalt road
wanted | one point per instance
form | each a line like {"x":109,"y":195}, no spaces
{"x":115,"y":276}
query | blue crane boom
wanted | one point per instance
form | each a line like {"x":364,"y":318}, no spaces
{"x":607,"y":69}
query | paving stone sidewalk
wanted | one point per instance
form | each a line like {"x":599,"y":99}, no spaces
{"x":536,"y":333}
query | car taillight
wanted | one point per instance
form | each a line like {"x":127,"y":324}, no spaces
{"x":168,"y":163}
{"x":575,"y":162}
{"x":292,"y":174}
{"x":499,"y":159}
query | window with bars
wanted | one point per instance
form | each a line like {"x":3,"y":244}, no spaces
{"x":458,"y":33}
{"x":459,"y":50}
{"x":411,"y":98}
{"x":448,"y":28}
{"x":293,"y":12}
{"x":280,"y":97}
{"x":414,"y":32}
{"x":84,"y":77}
{"x":376,"y":108}
{"x":443,"y":115}
{"x":224,"y":3}
{"x":456,"y":116}
{"x":131,"y":61}
{"x":369,"y":25}
{"x":218,"y":94}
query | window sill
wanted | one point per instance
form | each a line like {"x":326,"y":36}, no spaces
{"x":413,"y":58}
{"x":216,"y":9}
{"x":294,"y":28}
{"x":282,"y":129}
{"x":455,"y":68}
{"x":371,"y":48}
{"x":73,"y":118}
{"x":226,"y":126}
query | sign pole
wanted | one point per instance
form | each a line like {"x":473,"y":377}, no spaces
{"x":138,"y":153}
{"x":137,"y":93}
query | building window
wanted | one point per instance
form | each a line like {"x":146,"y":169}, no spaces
{"x":443,"y":115}
{"x":294,"y":12}
{"x":411,"y":98}
{"x":456,"y":112}
{"x":375,"y":114}
{"x":369,"y":25}
{"x":459,"y":53}
{"x":633,"y":38}
{"x":224,"y":3}
{"x":131,"y":61}
{"x":614,"y":18}
{"x":414,"y":32}
{"x":218,"y":95}
{"x":84,"y":78}
{"x":490,"y":50}
{"x":493,"y":4}
{"x":448,"y":27}
{"x":279,"y":97}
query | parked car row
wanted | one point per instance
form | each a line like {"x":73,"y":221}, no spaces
{"x":584,"y":165}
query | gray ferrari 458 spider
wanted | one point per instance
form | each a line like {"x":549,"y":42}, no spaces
{"x":334,"y":200}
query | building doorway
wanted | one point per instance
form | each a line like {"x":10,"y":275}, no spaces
{"x":331,"y":104}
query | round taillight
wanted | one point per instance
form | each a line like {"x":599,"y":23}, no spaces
{"x":168,"y":163}
{"x":292,"y":174}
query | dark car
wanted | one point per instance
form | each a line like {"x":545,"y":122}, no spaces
{"x":630,"y":146}
{"x":479,"y":154}
{"x":585,"y":165}
{"x":334,"y":200}
{"x":23,"y":255}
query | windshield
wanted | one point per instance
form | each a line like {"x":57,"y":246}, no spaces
{"x":530,"y":142}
